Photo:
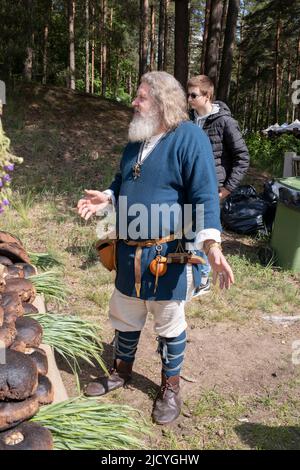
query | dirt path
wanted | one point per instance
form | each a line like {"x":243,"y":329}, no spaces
{"x":247,"y":362}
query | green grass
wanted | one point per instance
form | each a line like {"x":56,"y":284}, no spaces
{"x":217,"y":415}
{"x":257,"y":290}
{"x":23,"y":203}
{"x":221,"y":421}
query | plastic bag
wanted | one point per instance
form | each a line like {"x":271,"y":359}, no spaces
{"x":270,"y":195}
{"x":270,"y":192}
{"x":244,"y":211}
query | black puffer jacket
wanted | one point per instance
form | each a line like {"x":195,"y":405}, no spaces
{"x":229,"y":148}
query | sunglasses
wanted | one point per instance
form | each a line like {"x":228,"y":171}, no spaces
{"x":193,"y":95}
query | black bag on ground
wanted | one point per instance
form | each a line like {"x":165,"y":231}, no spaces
{"x":270,"y":195}
{"x":244,"y":211}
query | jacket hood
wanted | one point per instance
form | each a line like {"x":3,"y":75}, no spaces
{"x":223,"y":111}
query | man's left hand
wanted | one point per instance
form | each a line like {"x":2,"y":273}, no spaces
{"x":221,"y":268}
{"x":223,"y":193}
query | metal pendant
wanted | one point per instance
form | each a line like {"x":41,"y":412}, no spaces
{"x":136,"y":170}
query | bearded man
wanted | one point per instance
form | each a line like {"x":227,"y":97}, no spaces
{"x":168,"y":161}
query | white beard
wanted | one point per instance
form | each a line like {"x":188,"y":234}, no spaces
{"x":143,"y":127}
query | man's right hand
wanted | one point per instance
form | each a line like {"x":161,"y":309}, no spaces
{"x":92,"y":203}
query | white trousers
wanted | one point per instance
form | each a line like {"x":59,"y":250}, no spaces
{"x":130,"y":313}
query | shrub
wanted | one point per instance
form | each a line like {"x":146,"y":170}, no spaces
{"x":268,"y":153}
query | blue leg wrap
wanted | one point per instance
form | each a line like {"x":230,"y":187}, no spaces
{"x":172,"y":353}
{"x":125,"y":345}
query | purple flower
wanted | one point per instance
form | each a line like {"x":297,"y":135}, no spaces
{"x":5,"y":202}
{"x":1,"y":183}
{"x":9,"y":167}
{"x":6,"y":178}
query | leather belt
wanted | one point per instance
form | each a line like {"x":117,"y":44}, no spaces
{"x":180,"y":256}
{"x":138,"y":256}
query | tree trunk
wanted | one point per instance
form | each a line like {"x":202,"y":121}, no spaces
{"x":152,"y":38}
{"x":71,"y":14}
{"x":213,"y":40}
{"x":181,"y":41}
{"x":269,"y":107}
{"x":93,"y":51}
{"x":205,"y":35}
{"x":298,"y":61}
{"x":87,"y":46}
{"x":251,"y":106}
{"x":222,"y":37}
{"x":129,"y":84}
{"x":144,"y":36}
{"x":103,"y":48}
{"x":263,"y":107}
{"x":277,"y":71}
{"x":45,"y":45}
{"x":227,"y":56}
{"x":240,"y":59}
{"x":257,"y":101}
{"x":288,"y":88}
{"x":297,"y":75}
{"x":109,"y":48}
{"x":166,"y":37}
{"x":45,"y":54}
{"x":117,"y":77}
{"x":191,"y":12}
{"x":28,"y":63}
{"x":245,"y":112}
{"x":237,"y":91}
{"x":161,"y":34}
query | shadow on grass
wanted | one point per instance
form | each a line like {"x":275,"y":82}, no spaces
{"x":140,"y":382}
{"x":261,"y":437}
{"x":249,"y":248}
{"x":88,"y":252}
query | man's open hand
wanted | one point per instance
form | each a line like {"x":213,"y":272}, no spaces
{"x":92,"y":202}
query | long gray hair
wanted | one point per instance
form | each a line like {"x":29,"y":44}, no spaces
{"x":169,"y":96}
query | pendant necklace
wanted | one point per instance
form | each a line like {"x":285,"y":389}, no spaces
{"x":137,"y":167}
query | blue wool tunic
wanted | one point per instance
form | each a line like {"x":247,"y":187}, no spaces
{"x":180,"y":170}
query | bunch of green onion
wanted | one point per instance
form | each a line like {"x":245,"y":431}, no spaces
{"x":51,"y":285}
{"x":43,"y":260}
{"x":73,"y":338}
{"x":84,"y":424}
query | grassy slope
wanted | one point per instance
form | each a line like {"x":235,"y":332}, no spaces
{"x":70,"y":142}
